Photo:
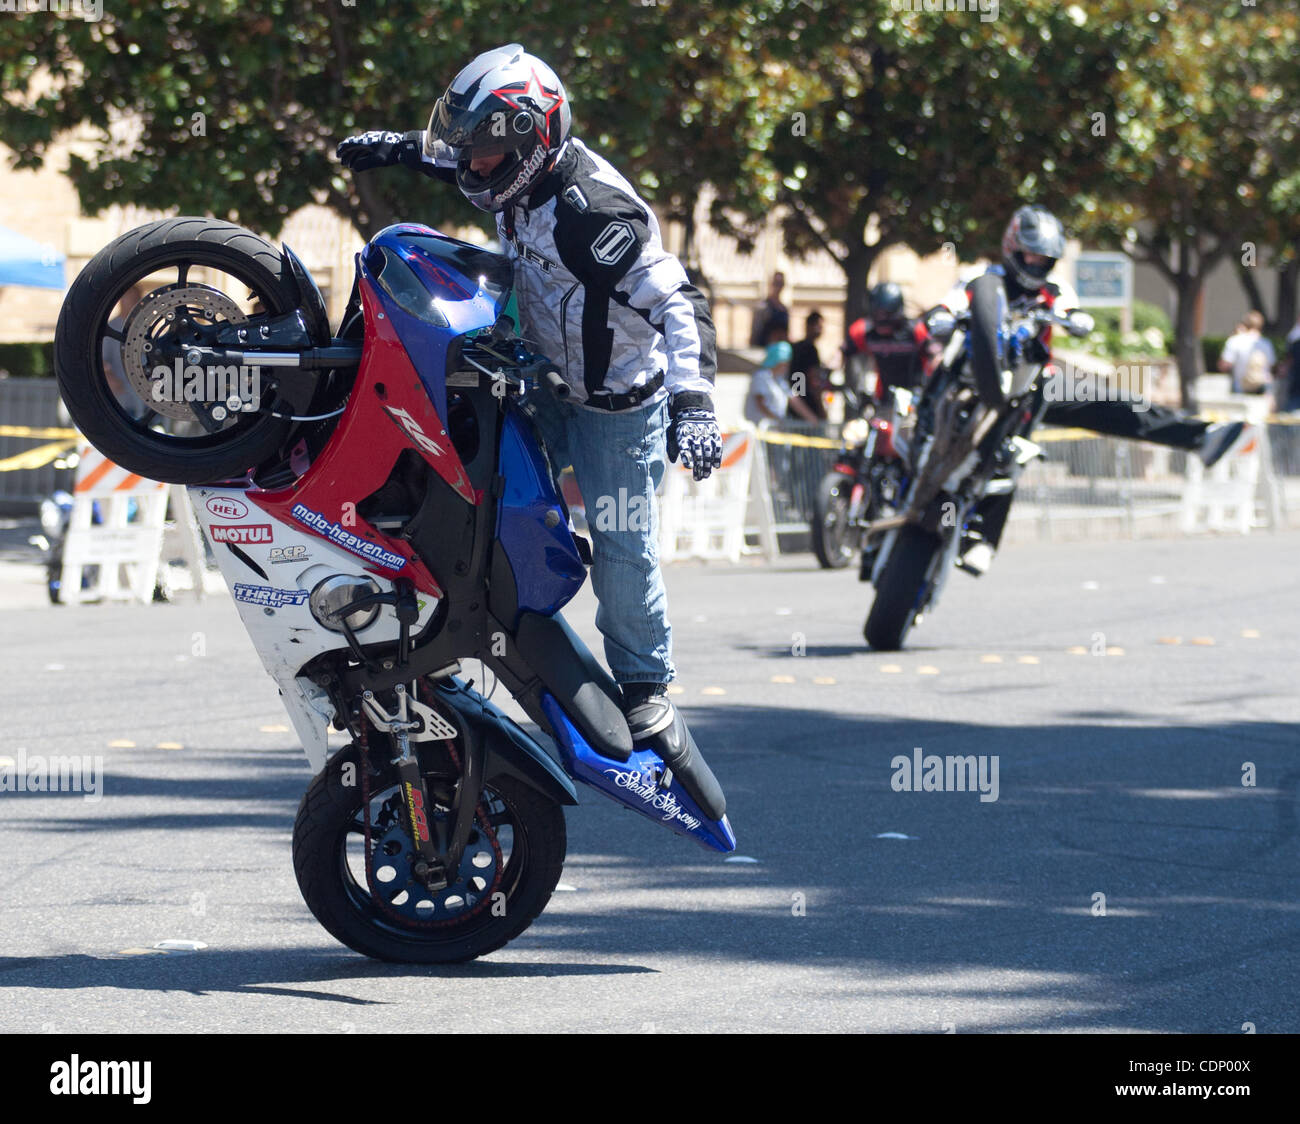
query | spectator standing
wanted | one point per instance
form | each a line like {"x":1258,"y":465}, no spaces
{"x":807,"y":362}
{"x":1250,"y":357}
{"x":771,"y":315}
{"x":769,"y":397}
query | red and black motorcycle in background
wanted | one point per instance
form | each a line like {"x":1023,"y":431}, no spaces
{"x":863,"y":485}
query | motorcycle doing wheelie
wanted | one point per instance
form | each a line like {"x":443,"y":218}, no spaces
{"x":969,"y":445}
{"x":382,"y":510}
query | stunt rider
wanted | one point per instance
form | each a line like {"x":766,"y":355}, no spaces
{"x":597,"y":292}
{"x":900,"y":348}
{"x":1031,"y":245}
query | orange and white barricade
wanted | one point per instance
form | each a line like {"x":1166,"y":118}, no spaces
{"x":124,"y":543}
{"x":706,"y":518}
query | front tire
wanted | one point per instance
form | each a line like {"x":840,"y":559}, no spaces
{"x":832,"y":535}
{"x":337,"y":888}
{"x":79,"y":340}
{"x":903,"y":582}
{"x":986,"y":304}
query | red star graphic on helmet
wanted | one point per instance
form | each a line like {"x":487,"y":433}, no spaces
{"x":548,"y":101}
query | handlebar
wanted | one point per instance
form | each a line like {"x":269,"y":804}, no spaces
{"x":547,"y":374}
{"x":514,"y":364}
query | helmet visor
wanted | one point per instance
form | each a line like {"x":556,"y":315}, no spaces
{"x":488,"y":130}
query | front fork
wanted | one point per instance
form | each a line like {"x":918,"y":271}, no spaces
{"x":439,"y":843}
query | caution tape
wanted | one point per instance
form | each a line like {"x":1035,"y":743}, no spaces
{"x":803,"y":440}
{"x":36,"y":431}
{"x":38,"y":457}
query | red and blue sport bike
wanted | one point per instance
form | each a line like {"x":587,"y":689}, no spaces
{"x":382,"y":510}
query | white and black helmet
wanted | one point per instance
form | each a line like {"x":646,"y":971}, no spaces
{"x":1032,"y":230}
{"x":506,"y":102}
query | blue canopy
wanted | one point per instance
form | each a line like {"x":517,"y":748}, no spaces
{"x":24,"y":261}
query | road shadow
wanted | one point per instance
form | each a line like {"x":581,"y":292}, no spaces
{"x":998,"y":901}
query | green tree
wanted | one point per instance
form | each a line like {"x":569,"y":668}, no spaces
{"x":1200,"y":163}
{"x":926,"y":128}
{"x":221,"y":107}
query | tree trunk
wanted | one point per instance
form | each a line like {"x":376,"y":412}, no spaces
{"x":1187,"y":342}
{"x":1246,"y":275}
{"x":857,"y":265}
{"x":1288,"y":297}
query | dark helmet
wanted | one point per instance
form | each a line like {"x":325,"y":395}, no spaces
{"x":1032,"y":230}
{"x":509,"y":103}
{"x":885,"y":302}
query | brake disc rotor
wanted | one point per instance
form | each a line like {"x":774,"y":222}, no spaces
{"x":170,"y":315}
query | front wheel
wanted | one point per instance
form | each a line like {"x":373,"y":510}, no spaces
{"x":833,"y":534}
{"x":123,"y":341}
{"x":506,"y":876}
{"x":904,"y":581}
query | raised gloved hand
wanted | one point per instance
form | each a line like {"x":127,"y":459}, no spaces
{"x":379,"y":149}
{"x":694,"y":436}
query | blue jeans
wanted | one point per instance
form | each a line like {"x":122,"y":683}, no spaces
{"x":618,"y":460}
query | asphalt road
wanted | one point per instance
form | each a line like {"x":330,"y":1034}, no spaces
{"x":1120,"y":774}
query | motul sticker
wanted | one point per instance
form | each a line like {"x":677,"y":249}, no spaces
{"x":226,"y":507}
{"x":242,"y":533}
{"x":612,"y":242}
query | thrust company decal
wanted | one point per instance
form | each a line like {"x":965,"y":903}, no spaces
{"x":660,"y":801}
{"x":269,"y":596}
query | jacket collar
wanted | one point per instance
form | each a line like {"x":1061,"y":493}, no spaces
{"x":550,"y":185}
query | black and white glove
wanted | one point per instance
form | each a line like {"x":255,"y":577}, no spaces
{"x":379,"y":149}
{"x":694,"y":436}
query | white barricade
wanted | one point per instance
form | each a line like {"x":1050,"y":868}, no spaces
{"x":1226,"y":497}
{"x":116,"y":527}
{"x":706,"y":518}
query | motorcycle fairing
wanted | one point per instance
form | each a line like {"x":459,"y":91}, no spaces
{"x":632,"y":784}
{"x":433,"y":289}
{"x":388,"y":412}
{"x":532,"y":524}
{"x":271,"y":566}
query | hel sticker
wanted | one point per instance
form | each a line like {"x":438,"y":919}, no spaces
{"x":250,"y":533}
{"x":269,"y":596}
{"x":613,"y":242}
{"x":346,"y":539}
{"x":226,"y":507}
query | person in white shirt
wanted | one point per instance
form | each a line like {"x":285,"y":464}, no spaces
{"x":1250,"y":357}
{"x":770,"y":396}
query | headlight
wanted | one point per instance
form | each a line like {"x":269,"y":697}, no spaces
{"x":337,"y":592}
{"x":855,"y":431}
